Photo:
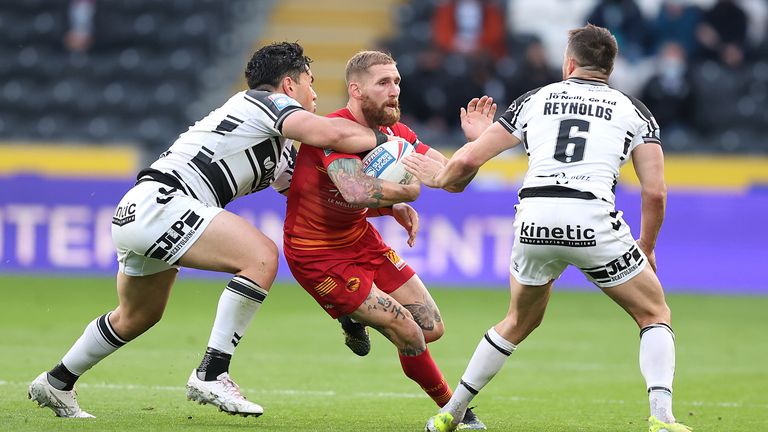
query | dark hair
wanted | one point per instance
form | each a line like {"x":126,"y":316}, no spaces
{"x":273,"y":62}
{"x":594,"y":48}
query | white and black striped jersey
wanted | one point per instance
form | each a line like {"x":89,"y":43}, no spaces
{"x":578,"y":133}
{"x":235,"y":150}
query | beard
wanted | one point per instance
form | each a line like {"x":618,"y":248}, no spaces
{"x":380,"y":115}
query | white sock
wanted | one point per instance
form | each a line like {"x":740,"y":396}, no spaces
{"x":657,"y":364}
{"x":489,"y":357}
{"x":97,"y":342}
{"x":237,"y":306}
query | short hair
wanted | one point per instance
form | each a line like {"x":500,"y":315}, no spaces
{"x":271,"y":63}
{"x":594,"y":48}
{"x":363,"y":60}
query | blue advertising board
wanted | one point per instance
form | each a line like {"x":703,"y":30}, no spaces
{"x":711,"y":241}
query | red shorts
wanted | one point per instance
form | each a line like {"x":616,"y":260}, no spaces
{"x":340,"y":279}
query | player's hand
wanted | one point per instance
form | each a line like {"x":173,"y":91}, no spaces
{"x":649,"y":253}
{"x":406,"y":216}
{"x":477,"y":117}
{"x":424,"y":168}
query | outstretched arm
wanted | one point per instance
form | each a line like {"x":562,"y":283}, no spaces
{"x":648,"y":160}
{"x":339,"y":134}
{"x":463,"y":165}
{"x":365,"y":191}
{"x":475,"y":119}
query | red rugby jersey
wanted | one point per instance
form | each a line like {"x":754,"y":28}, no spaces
{"x":317,"y":215}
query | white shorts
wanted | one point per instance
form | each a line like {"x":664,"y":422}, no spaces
{"x":552,"y":233}
{"x":154,"y":225}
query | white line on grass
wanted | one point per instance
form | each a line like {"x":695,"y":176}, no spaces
{"x":390,"y":395}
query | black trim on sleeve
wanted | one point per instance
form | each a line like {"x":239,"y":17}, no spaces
{"x":508,"y":119}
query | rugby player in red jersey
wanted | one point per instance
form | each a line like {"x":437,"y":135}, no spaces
{"x":340,"y":259}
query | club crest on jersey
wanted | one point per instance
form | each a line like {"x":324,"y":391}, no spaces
{"x":281,"y":101}
{"x":353,"y":284}
{"x":395,"y":259}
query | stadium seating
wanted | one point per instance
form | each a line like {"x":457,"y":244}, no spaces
{"x":133,"y":85}
{"x":729,"y":113}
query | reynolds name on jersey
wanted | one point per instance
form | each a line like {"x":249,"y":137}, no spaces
{"x":578,"y":133}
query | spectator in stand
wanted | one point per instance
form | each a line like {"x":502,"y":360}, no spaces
{"x":668,"y":93}
{"x":470,"y":26}
{"x":676,"y":22}
{"x":533,"y":72}
{"x":79,"y":37}
{"x":722,"y":33}
{"x":625,"y":20}
{"x":423,"y":91}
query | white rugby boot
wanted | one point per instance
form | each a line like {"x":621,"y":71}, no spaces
{"x":62,"y":402}
{"x":223,"y":393}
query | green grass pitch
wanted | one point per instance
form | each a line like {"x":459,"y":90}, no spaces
{"x":577,"y":372}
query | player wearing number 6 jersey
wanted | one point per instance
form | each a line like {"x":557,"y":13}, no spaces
{"x":577,"y":134}
{"x":174,"y":216}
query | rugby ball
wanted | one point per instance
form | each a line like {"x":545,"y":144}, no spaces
{"x":385,"y":161}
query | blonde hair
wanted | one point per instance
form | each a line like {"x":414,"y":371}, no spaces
{"x":363,"y":60}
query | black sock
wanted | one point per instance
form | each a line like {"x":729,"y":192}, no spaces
{"x":214,"y":364}
{"x":61,"y":378}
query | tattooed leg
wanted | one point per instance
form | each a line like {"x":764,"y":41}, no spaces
{"x":425,"y":314}
{"x":384,"y":314}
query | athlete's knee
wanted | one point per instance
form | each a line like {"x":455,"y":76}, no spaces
{"x":435,"y":332}
{"x":262,"y":267}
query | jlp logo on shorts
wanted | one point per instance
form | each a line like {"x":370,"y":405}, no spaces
{"x":557,"y":236}
{"x":124,"y":214}
{"x":176,"y":237}
{"x":618,"y":268}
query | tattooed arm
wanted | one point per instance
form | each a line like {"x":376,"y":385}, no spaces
{"x":362,"y":190}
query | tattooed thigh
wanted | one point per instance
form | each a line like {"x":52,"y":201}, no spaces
{"x":425,"y":314}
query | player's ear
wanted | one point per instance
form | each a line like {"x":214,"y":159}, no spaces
{"x":287,"y":85}
{"x":571,"y":65}
{"x":354,"y":90}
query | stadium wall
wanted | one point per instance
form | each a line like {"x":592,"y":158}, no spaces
{"x":713,"y":239}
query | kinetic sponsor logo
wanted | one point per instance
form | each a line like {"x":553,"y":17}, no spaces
{"x":557,"y":236}
{"x":617,"y":269}
{"x":124,"y":215}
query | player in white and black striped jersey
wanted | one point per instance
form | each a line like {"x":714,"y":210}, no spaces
{"x":174,"y":216}
{"x":577,"y":134}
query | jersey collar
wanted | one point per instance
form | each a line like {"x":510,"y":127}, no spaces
{"x":586,"y":81}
